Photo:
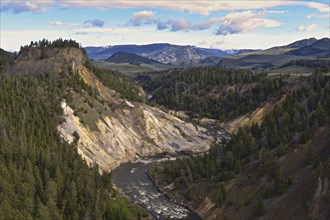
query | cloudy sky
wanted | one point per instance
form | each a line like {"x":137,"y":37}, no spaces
{"x":220,"y":24}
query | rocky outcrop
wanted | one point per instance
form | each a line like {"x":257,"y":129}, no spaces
{"x":30,"y":60}
{"x":136,"y":129}
{"x":175,"y":54}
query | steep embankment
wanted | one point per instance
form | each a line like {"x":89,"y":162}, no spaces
{"x":256,"y":116}
{"x":307,"y":196}
{"x":110,"y":130}
{"x":132,"y":130}
{"x":277,"y":168}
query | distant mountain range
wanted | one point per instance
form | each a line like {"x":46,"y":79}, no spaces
{"x":164,"y":53}
{"x":191,"y":55}
{"x":154,"y":56}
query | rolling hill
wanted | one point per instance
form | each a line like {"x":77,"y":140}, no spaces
{"x":276,"y":57}
{"x":320,"y":48}
{"x":123,"y":57}
{"x":286,"y":48}
{"x":302,"y":43}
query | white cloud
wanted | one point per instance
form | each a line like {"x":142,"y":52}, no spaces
{"x":242,"y":22}
{"x":81,"y":33}
{"x":306,"y":27}
{"x":325,"y":15}
{"x":142,"y":17}
{"x":310,"y":16}
{"x":235,"y":16}
{"x":60,"y":23}
{"x":318,"y":6}
{"x":162,"y":25}
{"x":23,"y":6}
{"x":94,"y":23}
{"x":148,"y":17}
{"x":277,"y":11}
{"x":207,"y":24}
{"x":195,"y":6}
{"x":232,"y":23}
{"x":178,"y":25}
{"x":57,"y":23}
{"x":11,"y":40}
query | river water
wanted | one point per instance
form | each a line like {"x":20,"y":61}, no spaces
{"x":132,"y":178}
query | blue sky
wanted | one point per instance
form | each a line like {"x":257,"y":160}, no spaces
{"x":205,"y":23}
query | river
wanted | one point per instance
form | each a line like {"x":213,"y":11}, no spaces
{"x":132,"y":178}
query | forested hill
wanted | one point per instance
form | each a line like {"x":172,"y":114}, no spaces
{"x":214,"y":92}
{"x":62,"y":121}
{"x":123,"y":57}
{"x":41,"y":176}
{"x":274,"y":169}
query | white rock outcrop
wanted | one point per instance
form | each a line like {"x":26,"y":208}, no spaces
{"x":137,"y":129}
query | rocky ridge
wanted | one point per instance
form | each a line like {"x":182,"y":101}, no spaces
{"x":131,"y":129}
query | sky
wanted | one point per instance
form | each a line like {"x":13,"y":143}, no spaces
{"x":231,"y":24}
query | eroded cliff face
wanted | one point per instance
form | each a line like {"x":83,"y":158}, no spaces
{"x":133,"y":130}
{"x":117,"y":130}
{"x":130,"y":129}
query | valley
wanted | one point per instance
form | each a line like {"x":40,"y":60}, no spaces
{"x":245,"y":191}
{"x":253,"y":141}
{"x":164,"y":110}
